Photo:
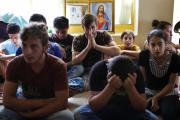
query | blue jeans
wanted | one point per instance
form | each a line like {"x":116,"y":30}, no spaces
{"x":85,"y":113}
{"x":7,"y":114}
{"x":75,"y":71}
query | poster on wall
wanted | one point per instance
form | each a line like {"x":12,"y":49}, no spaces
{"x":75,"y":12}
{"x":104,"y":12}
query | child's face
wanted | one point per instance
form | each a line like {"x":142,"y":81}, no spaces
{"x":14,"y":37}
{"x":157,"y":46}
{"x":128,"y":40}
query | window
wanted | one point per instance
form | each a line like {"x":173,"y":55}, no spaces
{"x":25,"y":8}
{"x":176,"y":18}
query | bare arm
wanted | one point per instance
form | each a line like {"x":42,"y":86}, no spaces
{"x":12,"y":102}
{"x":130,"y":53}
{"x":168,"y":88}
{"x":78,"y":57}
{"x":7,"y":57}
{"x":98,"y":99}
{"x":59,"y":103}
{"x":111,"y":49}
{"x":137,"y":100}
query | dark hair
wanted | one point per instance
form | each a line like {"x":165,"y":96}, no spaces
{"x":13,"y":28}
{"x":61,"y":22}
{"x":35,"y":30}
{"x":88,"y":19}
{"x":155,"y":23}
{"x":157,"y":33}
{"x":98,"y":9}
{"x":127,"y":33}
{"x":177,"y":27}
{"x":37,"y":18}
{"x":163,"y":25}
{"x":121,"y":66}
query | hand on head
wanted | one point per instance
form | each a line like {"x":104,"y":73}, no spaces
{"x":116,"y":82}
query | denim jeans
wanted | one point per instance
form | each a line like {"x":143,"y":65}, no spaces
{"x":85,"y":113}
{"x":75,"y":71}
{"x":7,"y":114}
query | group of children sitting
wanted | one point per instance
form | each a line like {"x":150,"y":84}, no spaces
{"x":124,"y":82}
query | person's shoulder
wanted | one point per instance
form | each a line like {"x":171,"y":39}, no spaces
{"x":103,"y":33}
{"x":69,"y":36}
{"x":121,"y":46}
{"x":135,"y":47}
{"x":18,"y":60}
{"x":99,"y":66}
{"x":80,"y":37}
{"x":52,"y":37}
{"x":54,"y":61}
{"x":175,"y":56}
{"x":6,"y":42}
{"x":52,"y":44}
{"x":145,"y":51}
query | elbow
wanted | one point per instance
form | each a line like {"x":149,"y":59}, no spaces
{"x":142,"y":106}
{"x":76,"y":60}
{"x":63,"y":105}
{"x":116,"y":51}
{"x":7,"y":103}
{"x":93,"y":106}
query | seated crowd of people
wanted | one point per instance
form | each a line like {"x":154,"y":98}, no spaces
{"x":40,"y":71}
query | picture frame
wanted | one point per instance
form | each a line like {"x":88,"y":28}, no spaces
{"x":75,"y":12}
{"x":104,"y":11}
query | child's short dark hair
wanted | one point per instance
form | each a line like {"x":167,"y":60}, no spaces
{"x":156,"y":33}
{"x":127,"y":33}
{"x":88,"y":19}
{"x":35,"y":30}
{"x":121,"y":66}
{"x":37,"y":18}
{"x":13,"y":28}
{"x":61,"y":22}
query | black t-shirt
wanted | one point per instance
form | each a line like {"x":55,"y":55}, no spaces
{"x":153,"y":82}
{"x":98,"y":81}
{"x":80,"y":43}
{"x":65,"y":43}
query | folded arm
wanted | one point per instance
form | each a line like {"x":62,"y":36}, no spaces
{"x":19,"y":104}
{"x":111,"y":49}
{"x":58,"y":103}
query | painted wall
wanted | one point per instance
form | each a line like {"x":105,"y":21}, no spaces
{"x":148,"y":11}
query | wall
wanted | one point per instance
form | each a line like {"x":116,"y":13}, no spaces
{"x":148,"y":11}
{"x":176,"y":18}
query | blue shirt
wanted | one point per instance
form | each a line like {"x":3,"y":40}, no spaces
{"x":53,"y":49}
{"x":9,"y":47}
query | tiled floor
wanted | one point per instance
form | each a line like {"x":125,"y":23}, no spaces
{"x":77,"y":100}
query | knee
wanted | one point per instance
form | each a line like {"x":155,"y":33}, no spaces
{"x":62,"y":115}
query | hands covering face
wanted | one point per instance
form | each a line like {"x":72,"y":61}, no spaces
{"x":115,"y":81}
